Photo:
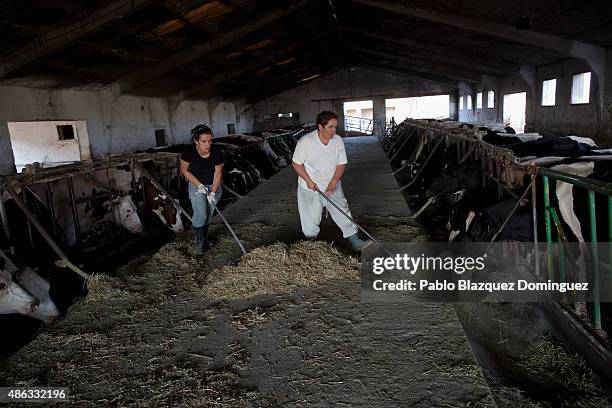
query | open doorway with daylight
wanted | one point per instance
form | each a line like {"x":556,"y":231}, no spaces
{"x":421,"y":107}
{"x":358,"y":117}
{"x":50,"y":143}
{"x":515,"y":105}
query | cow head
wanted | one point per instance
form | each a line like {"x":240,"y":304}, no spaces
{"x":126,"y":213}
{"x":13,"y":298}
{"x":446,"y":183}
{"x":39,"y":288}
{"x":164,"y":208}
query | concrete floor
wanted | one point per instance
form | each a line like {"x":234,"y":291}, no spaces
{"x":414,"y":353}
{"x":367,"y":185}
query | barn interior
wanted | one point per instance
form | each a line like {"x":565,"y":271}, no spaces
{"x":97,"y":102}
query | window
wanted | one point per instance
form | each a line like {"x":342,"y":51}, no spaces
{"x":231,"y":129}
{"x":549,"y":88}
{"x":419,"y":107}
{"x":160,"y":137}
{"x":479,"y":100}
{"x":490,"y":99}
{"x":461,"y":103}
{"x":285,"y":115}
{"x":469,"y":102}
{"x":581,"y":87}
{"x":65,"y":132}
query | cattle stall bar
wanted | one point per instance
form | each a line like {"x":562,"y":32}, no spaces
{"x":423,"y":139}
{"x":594,"y":188}
{"x":500,"y":166}
{"x":53,"y":201}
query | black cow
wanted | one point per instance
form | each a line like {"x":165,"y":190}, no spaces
{"x":453,"y":179}
{"x":470,"y":221}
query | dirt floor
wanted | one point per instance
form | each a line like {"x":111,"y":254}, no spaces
{"x":183,"y":331}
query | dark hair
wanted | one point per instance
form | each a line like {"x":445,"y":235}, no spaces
{"x":201,"y":129}
{"x":325,"y":116}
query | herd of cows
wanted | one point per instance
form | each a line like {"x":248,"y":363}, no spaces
{"x":85,"y":206}
{"x":473,"y":208}
{"x":461,"y":196}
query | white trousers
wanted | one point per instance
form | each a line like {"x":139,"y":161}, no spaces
{"x":310,"y":206}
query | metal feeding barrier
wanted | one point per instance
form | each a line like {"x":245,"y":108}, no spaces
{"x":593,"y":187}
{"x":498,"y":165}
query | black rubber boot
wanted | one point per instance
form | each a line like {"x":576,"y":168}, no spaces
{"x":200,"y":236}
{"x":205,"y":243}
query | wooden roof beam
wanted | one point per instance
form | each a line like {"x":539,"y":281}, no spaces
{"x":594,"y":55}
{"x":415,"y":76}
{"x":260,"y":62}
{"x":444,"y":54}
{"x":58,"y":39}
{"x":191,"y":54}
{"x":424,"y":67}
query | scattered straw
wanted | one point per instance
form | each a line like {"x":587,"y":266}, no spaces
{"x":278,"y":268}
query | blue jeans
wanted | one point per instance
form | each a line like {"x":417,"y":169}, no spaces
{"x":202,"y":210}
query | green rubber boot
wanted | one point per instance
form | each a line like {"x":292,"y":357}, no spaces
{"x":357,"y":243}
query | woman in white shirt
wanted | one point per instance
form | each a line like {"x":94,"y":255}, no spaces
{"x":319,"y":160}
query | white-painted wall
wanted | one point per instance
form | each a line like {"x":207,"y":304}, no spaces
{"x":115,"y":124}
{"x":39,"y":142}
{"x":349,"y":84}
{"x":223,"y":114}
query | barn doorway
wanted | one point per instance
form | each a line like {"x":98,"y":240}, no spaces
{"x":50,"y":143}
{"x":515,"y":105}
{"x":421,"y":107}
{"x":358,"y":117}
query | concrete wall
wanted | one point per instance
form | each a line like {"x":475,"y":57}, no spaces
{"x":488,"y":83}
{"x":329,"y":92}
{"x":565,"y":118}
{"x":115,"y":124}
{"x":588,"y":120}
{"x":39,"y":142}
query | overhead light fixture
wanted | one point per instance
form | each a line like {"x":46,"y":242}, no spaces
{"x":310,"y":77}
{"x":286,"y":61}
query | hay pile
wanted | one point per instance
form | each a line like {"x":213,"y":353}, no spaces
{"x":278,"y":268}
{"x":536,"y":370}
{"x":554,"y":368}
{"x":553,"y":377}
{"x":152,"y":338}
{"x":393,"y":228}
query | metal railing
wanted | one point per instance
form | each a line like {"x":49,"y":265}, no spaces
{"x":357,"y":124}
{"x":551,"y":217}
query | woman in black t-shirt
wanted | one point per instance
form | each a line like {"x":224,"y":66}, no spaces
{"x":202,"y":165}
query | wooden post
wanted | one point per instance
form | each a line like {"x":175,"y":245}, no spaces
{"x":51,"y":208}
{"x":24,"y":193}
{"x":5,"y":225}
{"x":75,"y":215}
{"x":112,"y":205}
{"x":65,"y":262}
{"x":179,"y":185}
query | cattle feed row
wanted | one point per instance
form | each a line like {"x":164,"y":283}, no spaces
{"x":250,"y":158}
{"x":479,"y":180}
{"x":82,"y":207}
{"x":457,"y":179}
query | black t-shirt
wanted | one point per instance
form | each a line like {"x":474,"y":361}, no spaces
{"x":203,"y":168}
